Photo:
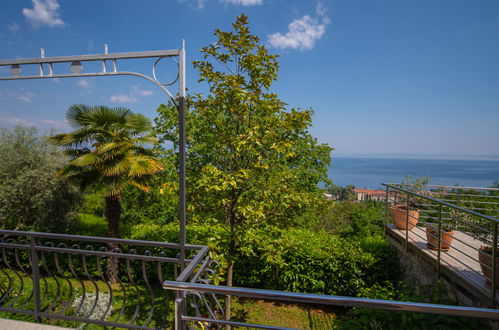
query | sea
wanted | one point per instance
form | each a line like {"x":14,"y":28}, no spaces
{"x":371,"y":172}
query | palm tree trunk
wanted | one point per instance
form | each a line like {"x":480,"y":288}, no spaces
{"x":113,"y":216}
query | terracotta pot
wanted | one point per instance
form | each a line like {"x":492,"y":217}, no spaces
{"x":445,"y":236}
{"x":399,"y":216}
{"x":486,"y":259}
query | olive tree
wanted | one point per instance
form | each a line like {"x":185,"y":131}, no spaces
{"x":31,"y":197}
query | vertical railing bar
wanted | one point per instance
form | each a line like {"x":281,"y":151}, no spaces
{"x":179,"y":302}
{"x":407,"y":223}
{"x":386,"y":213}
{"x":494,"y":266}
{"x":36,"y":279}
{"x":439,"y":252}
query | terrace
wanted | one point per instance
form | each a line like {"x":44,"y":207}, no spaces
{"x":468,"y":216}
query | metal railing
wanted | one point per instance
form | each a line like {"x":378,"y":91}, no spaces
{"x":121,"y":283}
{"x":83,"y":279}
{"x":184,"y":321}
{"x":457,"y":225}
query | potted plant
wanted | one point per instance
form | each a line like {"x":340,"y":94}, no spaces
{"x":485,"y":258}
{"x":446,"y":236}
{"x":401,"y":218}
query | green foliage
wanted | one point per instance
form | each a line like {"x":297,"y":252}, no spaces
{"x":282,"y":314}
{"x":386,"y":261}
{"x":351,"y":219}
{"x":252,"y":162}
{"x":215,"y":237}
{"x":196,"y":234}
{"x":160,"y":205}
{"x":93,"y":204}
{"x":365,"y":318}
{"x":342,"y":193}
{"x":317,"y":262}
{"x":107,"y":148}
{"x":91,"y":225}
{"x":31,"y":198}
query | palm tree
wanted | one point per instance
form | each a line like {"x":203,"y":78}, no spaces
{"x":108,"y":150}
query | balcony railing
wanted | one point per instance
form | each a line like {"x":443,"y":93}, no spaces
{"x":184,"y":320}
{"x":130,"y":284}
{"x":458,"y":226}
{"x":82,"y":279}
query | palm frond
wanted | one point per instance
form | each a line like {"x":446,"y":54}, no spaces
{"x":87,"y":159}
{"x":144,"y":165}
{"x":76,"y":115}
{"x":113,"y":145}
{"x":140,"y":186}
{"x":108,"y":148}
{"x":116,"y":167}
{"x":114,"y":187}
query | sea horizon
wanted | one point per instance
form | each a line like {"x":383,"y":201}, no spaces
{"x":370,"y":172}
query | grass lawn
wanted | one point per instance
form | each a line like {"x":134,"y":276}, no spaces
{"x":91,"y":225}
{"x":282,"y":314}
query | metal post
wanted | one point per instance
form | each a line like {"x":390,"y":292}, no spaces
{"x":36,"y":279}
{"x":494,"y":265}
{"x":439,"y":252}
{"x":179,"y":302}
{"x":386,"y":212}
{"x":182,"y":146}
{"x":407,"y":223}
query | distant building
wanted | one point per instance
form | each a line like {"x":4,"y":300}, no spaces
{"x":329,"y":197}
{"x":362,"y":194}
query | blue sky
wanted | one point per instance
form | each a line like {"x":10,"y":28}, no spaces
{"x":383,"y":77}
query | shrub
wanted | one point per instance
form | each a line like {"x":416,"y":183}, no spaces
{"x":93,"y":203}
{"x":353,"y":219}
{"x":386,"y":262}
{"x":159,"y":205}
{"x":196,"y":234}
{"x":305,"y":261}
{"x":31,"y":198}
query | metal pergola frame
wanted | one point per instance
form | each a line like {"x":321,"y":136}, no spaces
{"x":46,"y":71}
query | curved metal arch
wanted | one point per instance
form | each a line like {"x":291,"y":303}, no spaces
{"x":76,"y":67}
{"x":105,"y":74}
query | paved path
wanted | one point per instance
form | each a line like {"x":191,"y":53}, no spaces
{"x":19,"y":325}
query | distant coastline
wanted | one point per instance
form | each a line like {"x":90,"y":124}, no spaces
{"x":370,"y":172}
{"x":422,"y":156}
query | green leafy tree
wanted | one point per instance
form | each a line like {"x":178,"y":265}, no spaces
{"x":107,"y":150}
{"x":252,"y":163}
{"x":31,"y":198}
{"x":342,"y":193}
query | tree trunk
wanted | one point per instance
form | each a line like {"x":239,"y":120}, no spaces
{"x":113,"y":216}
{"x":230,"y":273}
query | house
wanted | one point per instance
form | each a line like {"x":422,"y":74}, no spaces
{"x":363,"y":194}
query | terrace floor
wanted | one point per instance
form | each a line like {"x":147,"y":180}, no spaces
{"x":461,"y":259}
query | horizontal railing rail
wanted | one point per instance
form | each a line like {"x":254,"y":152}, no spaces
{"x":438,"y":201}
{"x":459,"y":226}
{"x":6,"y":233}
{"x":307,"y":298}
